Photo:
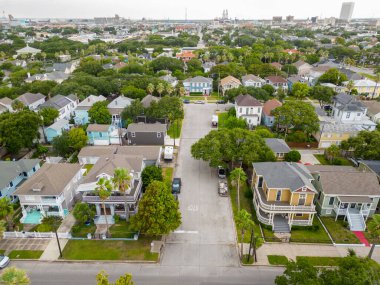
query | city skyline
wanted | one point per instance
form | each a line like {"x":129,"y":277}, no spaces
{"x":195,"y":10}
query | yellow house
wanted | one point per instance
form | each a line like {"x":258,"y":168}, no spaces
{"x":366,"y":87}
{"x":283,"y":195}
{"x":334,"y":133}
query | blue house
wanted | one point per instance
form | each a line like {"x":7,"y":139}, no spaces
{"x":103,"y":134}
{"x":268,"y":118}
{"x":198,"y":84}
{"x":13,"y":173}
{"x":56,"y":129}
{"x":294,"y":79}
{"x":81,"y":112}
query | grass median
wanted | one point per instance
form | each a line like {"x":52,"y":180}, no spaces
{"x":25,"y":254}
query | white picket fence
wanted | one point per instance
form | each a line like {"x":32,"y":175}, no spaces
{"x":35,"y":235}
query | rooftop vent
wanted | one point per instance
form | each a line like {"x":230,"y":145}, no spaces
{"x":37,"y":187}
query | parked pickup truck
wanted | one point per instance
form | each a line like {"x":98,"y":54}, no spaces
{"x":214,"y":122}
{"x":223,"y":188}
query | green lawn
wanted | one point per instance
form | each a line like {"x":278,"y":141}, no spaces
{"x":167,"y":173}
{"x":2,"y":251}
{"x":109,"y":250}
{"x":222,"y":117}
{"x":277,"y":259}
{"x":88,"y":168}
{"x":339,"y":231}
{"x":245,"y":261}
{"x":340,"y":160}
{"x":81,"y":230}
{"x":25,"y":254}
{"x":175,"y":129}
{"x":315,"y":234}
{"x":369,"y":76}
{"x":320,"y":260}
{"x":122,"y":230}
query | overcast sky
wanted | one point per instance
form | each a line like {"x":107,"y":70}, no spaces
{"x":196,"y":9}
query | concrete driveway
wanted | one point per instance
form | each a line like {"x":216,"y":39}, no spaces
{"x":206,"y":236}
{"x":307,"y":156}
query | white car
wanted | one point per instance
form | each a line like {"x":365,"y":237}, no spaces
{"x":199,"y":102}
{"x":4,"y":261}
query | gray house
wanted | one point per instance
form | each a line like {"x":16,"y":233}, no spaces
{"x":345,"y":191}
{"x":146,"y":134}
{"x":278,"y":146}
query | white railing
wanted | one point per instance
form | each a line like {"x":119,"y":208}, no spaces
{"x":35,"y":235}
{"x":293,"y":208}
{"x":259,"y":217}
{"x":301,"y":222}
{"x":55,"y":214}
{"x":340,"y":211}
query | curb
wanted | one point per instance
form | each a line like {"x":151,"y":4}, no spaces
{"x":89,"y":261}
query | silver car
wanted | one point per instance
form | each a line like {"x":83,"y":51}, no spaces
{"x":223,"y":188}
{"x":4,"y":261}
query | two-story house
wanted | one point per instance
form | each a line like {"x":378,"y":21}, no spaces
{"x":56,"y":129}
{"x":6,"y":105}
{"x":228,"y":83}
{"x":302,"y":67}
{"x":268,"y":107}
{"x":104,"y":134}
{"x":198,"y":84}
{"x":146,"y":134}
{"x":14,"y":173}
{"x":283,"y":195}
{"x":49,"y":192}
{"x":64,"y":104}
{"x":251,"y":80}
{"x":346,"y":192}
{"x":249,"y":109}
{"x":116,"y":107}
{"x":366,"y":87}
{"x":373,"y":110}
{"x":294,"y":79}
{"x":185,"y":56}
{"x":173,"y":81}
{"x":32,"y":100}
{"x":277,"y":82}
{"x":115,"y":204}
{"x":81,"y":112}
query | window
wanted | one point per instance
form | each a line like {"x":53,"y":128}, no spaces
{"x":259,"y":110}
{"x":240,"y":110}
{"x":34,"y":169}
{"x":278,"y":196}
{"x":331,"y":201}
{"x":299,"y":215}
{"x":100,"y":135}
{"x":158,"y":135}
{"x":11,"y":184}
{"x":133,"y":134}
{"x":348,"y":115}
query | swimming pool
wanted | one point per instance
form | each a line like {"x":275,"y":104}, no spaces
{"x":33,"y":217}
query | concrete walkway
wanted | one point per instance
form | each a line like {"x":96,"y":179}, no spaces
{"x":291,"y":251}
{"x":67,"y":223}
{"x":51,"y":252}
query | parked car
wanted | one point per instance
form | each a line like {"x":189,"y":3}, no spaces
{"x":176,"y":185}
{"x":223,"y":188}
{"x":220,"y":102}
{"x":327,"y":108}
{"x":4,"y":261}
{"x":214,"y":121}
{"x":354,"y":161}
{"x":186,"y":101}
{"x":221,"y":172}
{"x":168,"y":153}
{"x":199,"y":102}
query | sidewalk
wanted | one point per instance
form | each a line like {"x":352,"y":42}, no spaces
{"x":51,"y":252}
{"x":291,"y":251}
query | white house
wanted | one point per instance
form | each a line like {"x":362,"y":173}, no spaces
{"x":229,"y":82}
{"x":249,"y":109}
{"x":32,"y":100}
{"x":117,"y":106}
{"x":28,"y":50}
{"x":64,"y":104}
{"x":251,"y":80}
{"x":373,"y":110}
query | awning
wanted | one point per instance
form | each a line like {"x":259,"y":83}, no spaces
{"x":355,"y":199}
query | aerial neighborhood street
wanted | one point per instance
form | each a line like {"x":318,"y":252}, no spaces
{"x":224,"y":151}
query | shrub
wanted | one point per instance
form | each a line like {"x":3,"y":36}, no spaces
{"x":297,"y":136}
{"x":293,"y":156}
{"x":313,"y":228}
{"x":337,"y":161}
{"x":248,"y":193}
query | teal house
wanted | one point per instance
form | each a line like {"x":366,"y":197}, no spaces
{"x":81,"y":112}
{"x":103,"y":134}
{"x":56,"y":129}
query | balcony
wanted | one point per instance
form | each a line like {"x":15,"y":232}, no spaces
{"x":280,"y":206}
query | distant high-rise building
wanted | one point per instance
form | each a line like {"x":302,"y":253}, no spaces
{"x":346,"y":11}
{"x":289,"y":18}
{"x":277,"y":19}
{"x":314,"y":20}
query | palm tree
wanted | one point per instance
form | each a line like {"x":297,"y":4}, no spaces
{"x":6,"y":211}
{"x":374,"y":229}
{"x":377,"y":80}
{"x":160,"y":88}
{"x":121,"y":180}
{"x":270,"y":55}
{"x":103,"y":190}
{"x":14,"y":276}
{"x":169,"y":89}
{"x":244,"y":223}
{"x":150,"y":88}
{"x":350,"y":85}
{"x":238,"y":176}
{"x":332,"y":152}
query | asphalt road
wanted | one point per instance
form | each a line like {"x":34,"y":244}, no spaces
{"x":202,"y":251}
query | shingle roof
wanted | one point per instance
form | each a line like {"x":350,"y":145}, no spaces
{"x":276,"y":79}
{"x":59,"y":125}
{"x":374,"y":165}
{"x":146,"y":128}
{"x":12,"y":169}
{"x":277,"y":145}
{"x":6,"y":101}
{"x":348,"y":103}
{"x":346,"y":180}
{"x":52,"y":178}
{"x":147,"y":152}
{"x":29,"y":98}
{"x":87,"y":103}
{"x":199,"y":79}
{"x":284,"y":175}
{"x":300,"y":63}
{"x":120,"y":102}
{"x":252,"y":78}
{"x":97,"y":128}
{"x":247,"y":100}
{"x":373,"y":106}
{"x":148,"y":99}
{"x":56,"y":102}
{"x":270,"y":105}
{"x":228,"y":80}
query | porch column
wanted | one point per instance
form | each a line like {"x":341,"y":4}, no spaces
{"x":97,"y":209}
{"x":337,"y":213}
{"x":311,"y":218}
{"x":41,"y":209}
{"x":60,"y":209}
{"x":112,"y":210}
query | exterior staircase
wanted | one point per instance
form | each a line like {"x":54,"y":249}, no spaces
{"x":280,"y":225}
{"x":356,"y":221}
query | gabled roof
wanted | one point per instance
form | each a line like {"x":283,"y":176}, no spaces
{"x":373,"y":106}
{"x":277,"y":145}
{"x":147,"y":152}
{"x":284,"y":175}
{"x":148,"y":99}
{"x":300,"y":63}
{"x":59,"y":125}
{"x":28,"y":49}
{"x":251,"y":77}
{"x":228,"y":80}
{"x":50,"y":178}
{"x":349,"y":103}
{"x":30,"y":98}
{"x":6,"y":101}
{"x":87,"y":103}
{"x":198,"y":79}
{"x":9,"y":170}
{"x":168,"y":78}
{"x":56,"y":102}
{"x":120,"y":103}
{"x":98,"y":128}
{"x":374,"y":165}
{"x":247,"y":101}
{"x":146,"y":128}
{"x":276,"y":79}
{"x":270,"y":105}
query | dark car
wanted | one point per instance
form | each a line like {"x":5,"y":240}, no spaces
{"x":176,"y":185}
{"x":186,"y":101}
{"x":220,"y":102}
{"x":221,"y":172}
{"x":327,"y":108}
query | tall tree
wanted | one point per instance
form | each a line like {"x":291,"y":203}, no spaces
{"x":158,"y":212}
{"x":150,"y":88}
{"x":77,"y":138}
{"x":300,"y":90}
{"x":17,"y":105}
{"x":83,"y":212}
{"x":6,"y":211}
{"x":160,"y":88}
{"x":151,"y":173}
{"x":103,"y":190}
{"x":332,"y":152}
{"x":14,"y":276}
{"x":243,"y":222}
{"x":54,"y":223}
{"x":48,"y":115}
{"x":374,"y":230}
{"x":238,"y":177}
{"x":122,"y":180}
{"x":333,"y":76}
{"x":365,"y":145}
{"x":130,"y":112}
{"x":323,"y":94}
{"x":99,"y":113}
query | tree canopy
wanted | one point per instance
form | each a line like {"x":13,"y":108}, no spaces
{"x":333,"y":76}
{"x":48,"y":115}
{"x":365,"y":145}
{"x":323,"y":94}
{"x":151,"y":173}
{"x":99,"y":113}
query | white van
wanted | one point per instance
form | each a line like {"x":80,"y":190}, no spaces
{"x":168,"y":153}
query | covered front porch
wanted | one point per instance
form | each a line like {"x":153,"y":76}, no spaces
{"x":345,"y":205}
